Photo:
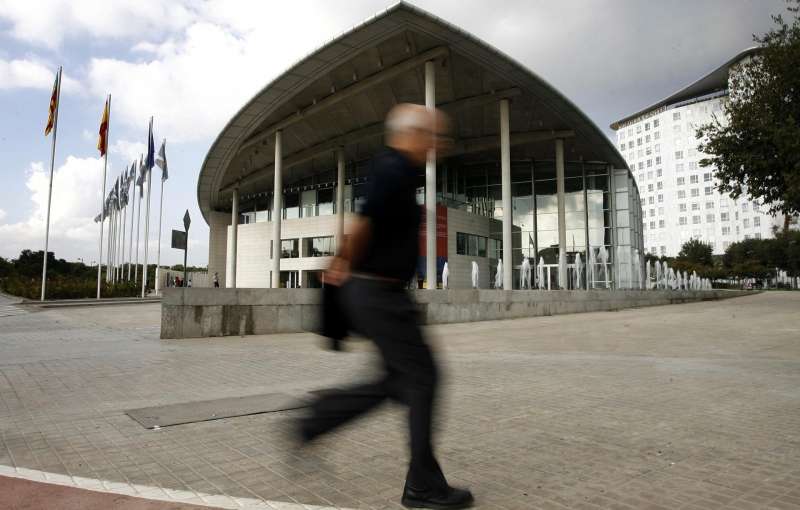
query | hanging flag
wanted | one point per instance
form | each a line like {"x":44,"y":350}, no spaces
{"x":140,"y":180}
{"x":51,"y":117}
{"x":102,"y":140}
{"x":161,"y":161}
{"x":149,"y":162}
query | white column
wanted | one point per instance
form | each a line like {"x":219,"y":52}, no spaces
{"x":339,"y":199}
{"x":277,"y":209}
{"x":505,"y":176}
{"x":562,"y":223}
{"x":430,"y":184}
{"x":234,"y":235}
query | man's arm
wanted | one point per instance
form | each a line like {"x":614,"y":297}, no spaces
{"x":353,"y":248}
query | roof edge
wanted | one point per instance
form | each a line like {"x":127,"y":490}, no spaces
{"x":673,"y":97}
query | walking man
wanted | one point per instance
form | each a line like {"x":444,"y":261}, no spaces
{"x":373,"y":269}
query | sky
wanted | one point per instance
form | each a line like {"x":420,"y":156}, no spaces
{"x":191,"y":65}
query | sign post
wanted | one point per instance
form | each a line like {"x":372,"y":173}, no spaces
{"x":186,"y":222}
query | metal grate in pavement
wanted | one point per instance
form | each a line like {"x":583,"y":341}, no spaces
{"x":207,"y":410}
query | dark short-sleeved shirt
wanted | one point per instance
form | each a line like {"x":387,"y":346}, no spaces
{"x":391,"y":206}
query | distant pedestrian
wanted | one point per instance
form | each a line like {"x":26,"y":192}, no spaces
{"x":373,"y":268}
{"x":216,"y":280}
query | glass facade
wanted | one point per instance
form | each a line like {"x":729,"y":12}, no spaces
{"x":602,"y":218}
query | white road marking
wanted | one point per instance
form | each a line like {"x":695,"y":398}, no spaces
{"x":155,"y":493}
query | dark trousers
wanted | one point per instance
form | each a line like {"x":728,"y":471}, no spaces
{"x":384,"y":313}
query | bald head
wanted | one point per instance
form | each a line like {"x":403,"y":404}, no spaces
{"x":412,"y":129}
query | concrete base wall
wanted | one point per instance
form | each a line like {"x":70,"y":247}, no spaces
{"x":195,"y":312}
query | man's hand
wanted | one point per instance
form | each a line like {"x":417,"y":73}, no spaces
{"x":338,"y":272}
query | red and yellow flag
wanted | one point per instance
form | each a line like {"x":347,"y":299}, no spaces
{"x":102,"y":141}
{"x":51,"y":118}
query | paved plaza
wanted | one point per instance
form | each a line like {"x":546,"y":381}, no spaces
{"x":692,"y":406}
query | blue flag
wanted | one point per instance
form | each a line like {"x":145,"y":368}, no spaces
{"x":150,"y":161}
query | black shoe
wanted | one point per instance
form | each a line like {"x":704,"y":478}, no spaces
{"x":448,"y":499}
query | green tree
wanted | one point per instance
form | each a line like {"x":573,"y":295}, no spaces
{"x":696,"y":252}
{"x":755,"y":149}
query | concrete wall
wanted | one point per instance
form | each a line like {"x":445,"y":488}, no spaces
{"x":253,"y":262}
{"x":217,"y":254}
{"x":191,"y":313}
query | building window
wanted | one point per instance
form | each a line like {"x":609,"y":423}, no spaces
{"x":650,"y":187}
{"x":650,"y":200}
{"x":649,"y":175}
{"x":470,"y":244}
{"x":695,"y":220}
{"x":756,"y":207}
{"x":682,"y":207}
{"x":678,"y":154}
{"x":695,"y":192}
{"x":649,"y":161}
{"x":663,"y":250}
{"x":757,"y":235}
{"x":756,"y":221}
{"x":695,"y":206}
{"x":679,"y":167}
{"x":682,"y":220}
{"x":707,"y":177}
{"x":641,"y":165}
{"x":657,"y":148}
{"x":655,"y":123}
{"x":681,"y":193}
{"x":744,"y":206}
{"x":709,"y":205}
{"x":652,"y":224}
{"x":660,"y":198}
{"x":290,"y":248}
{"x":726,"y":231}
{"x":325,"y":202}
{"x":318,"y":246}
{"x":659,"y":172}
{"x":681,"y":181}
{"x":647,"y":126}
{"x":660,"y":223}
{"x":693,"y":179}
{"x":724,"y":217}
{"x":652,"y":212}
{"x":638,"y":141}
{"x":710,"y":218}
{"x":746,"y":223}
{"x":657,"y":135}
{"x":308,"y":200}
{"x":709,"y":190}
{"x":676,"y":116}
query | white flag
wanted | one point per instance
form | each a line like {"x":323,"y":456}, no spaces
{"x":161,"y":160}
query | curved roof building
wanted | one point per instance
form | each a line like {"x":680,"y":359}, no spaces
{"x":528,"y":169}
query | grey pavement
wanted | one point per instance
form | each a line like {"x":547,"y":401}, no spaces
{"x":691,"y":406}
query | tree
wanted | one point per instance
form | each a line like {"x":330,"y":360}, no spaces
{"x":695,"y":251}
{"x":755,"y":149}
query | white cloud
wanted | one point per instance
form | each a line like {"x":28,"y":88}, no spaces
{"x":2,"y":214}
{"x":49,"y":22}
{"x":129,"y":151}
{"x":75,"y":203}
{"x":25,"y":73}
{"x":196,"y":80}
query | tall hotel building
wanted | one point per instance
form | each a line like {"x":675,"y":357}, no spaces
{"x":679,"y":197}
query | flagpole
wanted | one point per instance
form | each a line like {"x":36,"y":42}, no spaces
{"x":50,"y":191}
{"x":138,"y":227}
{"x":122,"y":248}
{"x":112,"y":230}
{"x":133,"y":218}
{"x":117,"y":241}
{"x":102,"y":208}
{"x":147,"y":227}
{"x":160,"y":213}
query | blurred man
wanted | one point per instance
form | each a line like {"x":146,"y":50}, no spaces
{"x":373,"y":268}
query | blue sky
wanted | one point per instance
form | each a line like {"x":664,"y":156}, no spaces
{"x":191,"y":65}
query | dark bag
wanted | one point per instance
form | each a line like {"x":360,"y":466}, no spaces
{"x":334,"y":321}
